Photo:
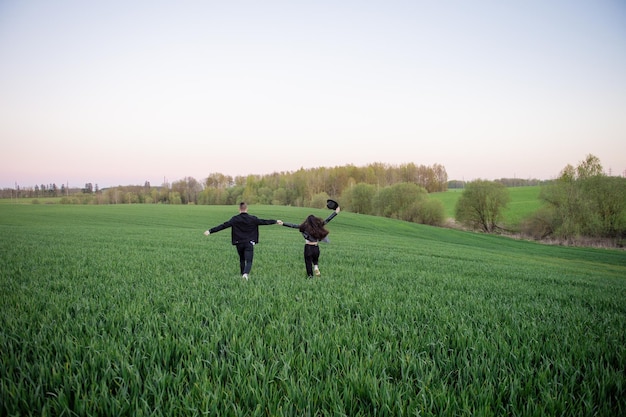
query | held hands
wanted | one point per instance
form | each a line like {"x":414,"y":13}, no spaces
{"x":279,"y":222}
{"x":337,"y":210}
{"x":207,"y":233}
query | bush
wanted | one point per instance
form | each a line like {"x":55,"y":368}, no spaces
{"x":319,"y":200}
{"x":590,"y":206}
{"x":358,"y":198}
{"x":540,"y":225}
{"x":431,"y":213}
{"x":481,"y":204}
{"x":396,"y":200}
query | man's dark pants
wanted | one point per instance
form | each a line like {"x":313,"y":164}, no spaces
{"x":246,"y":253}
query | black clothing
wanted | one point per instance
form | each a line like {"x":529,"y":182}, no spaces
{"x":245,"y":228}
{"x":246,"y":254}
{"x":311,"y":257}
{"x":244,"y":234}
{"x":306,"y":236}
{"x":311,"y":247}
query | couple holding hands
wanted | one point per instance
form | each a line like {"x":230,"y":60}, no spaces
{"x":245,"y":234}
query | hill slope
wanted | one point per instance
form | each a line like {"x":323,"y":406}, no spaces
{"x":131,"y":310}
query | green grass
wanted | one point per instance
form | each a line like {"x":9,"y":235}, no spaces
{"x":449,"y":199}
{"x":524,"y":202}
{"x":130,"y":310}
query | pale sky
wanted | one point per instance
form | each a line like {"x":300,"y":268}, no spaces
{"x":123,"y":92}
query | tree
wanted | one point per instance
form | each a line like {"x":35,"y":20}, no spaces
{"x":481,"y":204}
{"x":217,"y":180}
{"x":590,"y":167}
{"x":583,"y":202}
{"x":358,"y":198}
{"x":319,"y":200}
{"x":605,"y":206}
{"x":395,"y":201}
{"x":279,"y":198}
{"x":234,"y":195}
{"x":440,"y":181}
{"x":186,"y":190}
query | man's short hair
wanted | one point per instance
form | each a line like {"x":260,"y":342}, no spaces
{"x":243,"y":206}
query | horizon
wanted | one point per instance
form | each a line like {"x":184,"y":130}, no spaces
{"x":201,"y":180}
{"x":122,"y":93}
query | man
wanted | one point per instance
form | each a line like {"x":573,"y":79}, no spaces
{"x":245,"y":234}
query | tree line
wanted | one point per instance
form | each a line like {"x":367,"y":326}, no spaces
{"x":395,"y":191}
{"x":296,"y":188}
{"x":582,"y":201}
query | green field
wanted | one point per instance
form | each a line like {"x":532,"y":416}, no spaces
{"x":130,"y":310}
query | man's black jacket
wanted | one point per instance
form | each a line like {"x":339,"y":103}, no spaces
{"x":245,"y":228}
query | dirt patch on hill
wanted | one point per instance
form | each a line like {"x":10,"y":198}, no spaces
{"x":583,"y":242}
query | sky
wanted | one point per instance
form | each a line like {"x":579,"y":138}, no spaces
{"x":124,"y":92}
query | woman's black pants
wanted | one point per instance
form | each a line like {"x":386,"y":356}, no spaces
{"x":311,"y":257}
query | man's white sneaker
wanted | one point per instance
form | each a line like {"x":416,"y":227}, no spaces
{"x":317,"y":272}
{"x":245,"y":276}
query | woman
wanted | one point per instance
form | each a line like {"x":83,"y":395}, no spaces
{"x":314,"y":232}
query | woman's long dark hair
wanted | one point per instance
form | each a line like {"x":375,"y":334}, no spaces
{"x":314,"y":226}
